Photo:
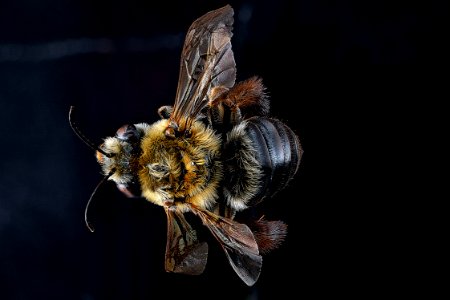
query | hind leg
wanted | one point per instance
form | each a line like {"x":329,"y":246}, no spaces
{"x":228,"y":107}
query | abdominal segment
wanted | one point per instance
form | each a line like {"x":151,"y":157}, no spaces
{"x":263,"y":155}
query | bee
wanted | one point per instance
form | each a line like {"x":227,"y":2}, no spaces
{"x":214,"y":153}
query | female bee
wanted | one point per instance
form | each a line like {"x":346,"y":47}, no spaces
{"x":214,"y":153}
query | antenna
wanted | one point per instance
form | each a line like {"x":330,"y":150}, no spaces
{"x":88,"y":224}
{"x":83,"y":137}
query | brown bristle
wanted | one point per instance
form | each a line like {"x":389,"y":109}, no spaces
{"x":216,"y":92}
{"x":247,"y":92}
{"x":250,"y":96}
{"x":268,"y":234}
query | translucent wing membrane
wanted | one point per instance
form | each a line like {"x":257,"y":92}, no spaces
{"x":238,"y":243}
{"x":184,"y":253}
{"x":207,"y":61}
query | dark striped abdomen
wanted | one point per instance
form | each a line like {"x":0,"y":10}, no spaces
{"x":278,"y":150}
{"x":262,"y":150}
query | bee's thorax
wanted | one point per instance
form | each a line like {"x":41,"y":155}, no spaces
{"x":179,"y":170}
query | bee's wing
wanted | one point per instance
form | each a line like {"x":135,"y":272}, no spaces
{"x":238,"y":242}
{"x":184,"y":253}
{"x":207,"y":61}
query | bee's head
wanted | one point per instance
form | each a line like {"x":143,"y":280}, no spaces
{"x":119,"y":155}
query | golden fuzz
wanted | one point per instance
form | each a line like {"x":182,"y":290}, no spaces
{"x":185,"y":168}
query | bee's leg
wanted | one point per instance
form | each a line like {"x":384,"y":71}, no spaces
{"x":220,"y":113}
{"x":229,"y":212}
{"x":224,"y":210}
{"x":165,"y":111}
{"x":244,"y":100}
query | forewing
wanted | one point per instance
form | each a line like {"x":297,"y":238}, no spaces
{"x":184,"y":253}
{"x":207,"y":61}
{"x":238,"y":242}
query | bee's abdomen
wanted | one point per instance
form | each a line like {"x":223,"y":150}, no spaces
{"x":278,"y":151}
{"x":261,"y":150}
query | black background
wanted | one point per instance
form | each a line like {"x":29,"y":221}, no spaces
{"x":340,"y":73}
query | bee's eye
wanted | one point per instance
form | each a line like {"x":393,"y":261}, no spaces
{"x":128,"y":133}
